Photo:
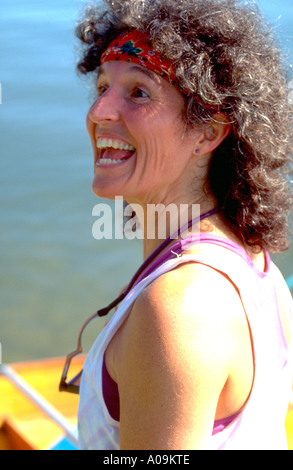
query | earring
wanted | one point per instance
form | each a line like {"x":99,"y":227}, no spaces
{"x":196,"y":150}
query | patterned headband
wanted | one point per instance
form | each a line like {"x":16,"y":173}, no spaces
{"x":135,"y":47}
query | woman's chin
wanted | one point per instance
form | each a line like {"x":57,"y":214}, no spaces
{"x":106,"y":189}
{"x":101,"y":190}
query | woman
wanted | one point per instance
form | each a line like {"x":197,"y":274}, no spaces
{"x":192,"y":109}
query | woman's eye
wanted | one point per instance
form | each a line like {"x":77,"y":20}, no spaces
{"x":139,"y":93}
{"x":101,"y":89}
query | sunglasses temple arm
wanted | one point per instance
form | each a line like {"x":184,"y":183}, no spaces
{"x":103,"y":311}
{"x":99,"y":313}
{"x":78,"y":349}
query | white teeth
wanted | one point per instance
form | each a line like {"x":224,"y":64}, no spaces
{"x":108,"y":161}
{"x":103,"y":142}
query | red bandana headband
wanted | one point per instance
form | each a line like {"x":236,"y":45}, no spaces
{"x":135,"y":46}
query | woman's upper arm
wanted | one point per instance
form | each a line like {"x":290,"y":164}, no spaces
{"x":174,"y":363}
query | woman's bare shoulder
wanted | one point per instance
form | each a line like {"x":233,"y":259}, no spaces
{"x":176,"y":356}
{"x":192,"y":290}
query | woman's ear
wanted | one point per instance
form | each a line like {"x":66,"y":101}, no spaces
{"x":213,"y":135}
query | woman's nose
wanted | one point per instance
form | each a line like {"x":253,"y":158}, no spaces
{"x":105,"y":108}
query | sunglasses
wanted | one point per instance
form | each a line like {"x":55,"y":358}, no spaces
{"x":73,"y":385}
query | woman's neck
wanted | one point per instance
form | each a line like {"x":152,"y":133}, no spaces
{"x":162,"y":222}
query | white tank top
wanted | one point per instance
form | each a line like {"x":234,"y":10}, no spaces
{"x":260,"y":424}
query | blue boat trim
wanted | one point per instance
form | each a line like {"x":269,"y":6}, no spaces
{"x":289,"y":281}
{"x":64,"y":444}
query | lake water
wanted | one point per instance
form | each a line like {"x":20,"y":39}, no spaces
{"x":53,"y":273}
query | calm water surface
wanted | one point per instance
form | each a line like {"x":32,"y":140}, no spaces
{"x":53,"y":273}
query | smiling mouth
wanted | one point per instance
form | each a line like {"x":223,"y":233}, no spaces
{"x":113,"y":152}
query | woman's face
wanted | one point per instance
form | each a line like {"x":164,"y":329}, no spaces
{"x":140,"y":149}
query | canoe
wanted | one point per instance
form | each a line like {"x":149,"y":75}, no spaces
{"x":25,"y":425}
